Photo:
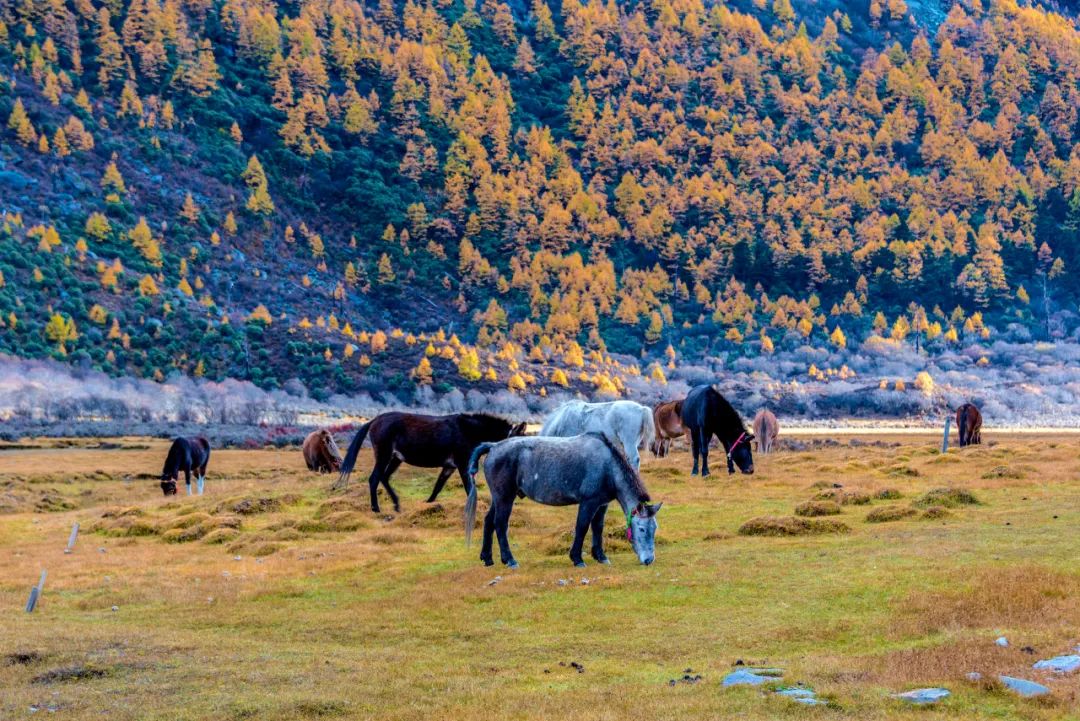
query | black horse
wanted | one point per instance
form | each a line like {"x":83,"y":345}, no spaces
{"x":187,"y":455}
{"x":706,"y":413}
{"x":444,"y":442}
{"x":589,"y":470}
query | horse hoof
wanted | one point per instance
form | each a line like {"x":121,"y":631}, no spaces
{"x":579,"y":564}
{"x":488,"y":561}
{"x":512,"y":564}
{"x":604,"y":561}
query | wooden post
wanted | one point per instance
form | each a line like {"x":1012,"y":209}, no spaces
{"x":72,"y":537}
{"x":945,"y":438}
{"x":35,"y":593}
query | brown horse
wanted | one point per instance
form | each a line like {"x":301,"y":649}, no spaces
{"x":766,"y":428}
{"x":444,"y":442}
{"x":321,"y":452}
{"x":667,"y":417}
{"x":969,"y":424}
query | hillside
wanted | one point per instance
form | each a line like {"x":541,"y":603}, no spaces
{"x":371,"y":197}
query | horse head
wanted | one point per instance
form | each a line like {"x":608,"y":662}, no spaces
{"x":168,"y":486}
{"x":739,"y":454}
{"x":641,"y":531}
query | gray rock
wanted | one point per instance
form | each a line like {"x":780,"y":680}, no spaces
{"x":1002,"y":641}
{"x":1023,"y":687}
{"x":745,"y":677}
{"x":1059,"y":664}
{"x":923,"y":695}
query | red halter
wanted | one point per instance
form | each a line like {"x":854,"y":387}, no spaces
{"x":735,"y":444}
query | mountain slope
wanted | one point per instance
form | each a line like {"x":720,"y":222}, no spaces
{"x":655,"y":179}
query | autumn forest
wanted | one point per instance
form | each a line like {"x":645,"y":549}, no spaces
{"x":529,"y":195}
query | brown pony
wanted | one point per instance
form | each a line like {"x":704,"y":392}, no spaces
{"x":766,"y":428}
{"x":444,"y":442}
{"x":969,"y":424}
{"x":667,"y":417}
{"x":321,"y":452}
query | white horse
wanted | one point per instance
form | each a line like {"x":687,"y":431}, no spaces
{"x":625,"y":422}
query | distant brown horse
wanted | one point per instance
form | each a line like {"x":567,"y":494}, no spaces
{"x":668,"y":420}
{"x":444,"y":442}
{"x":969,"y":424}
{"x":766,"y":428}
{"x":321,"y":452}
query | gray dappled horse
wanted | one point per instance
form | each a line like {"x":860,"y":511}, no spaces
{"x":588,"y":470}
{"x":625,"y":422}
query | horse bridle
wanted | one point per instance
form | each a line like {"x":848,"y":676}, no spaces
{"x":629,"y":532}
{"x":735,"y":444}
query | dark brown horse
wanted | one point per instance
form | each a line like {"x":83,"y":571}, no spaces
{"x":187,"y":455}
{"x":444,"y":442}
{"x":706,"y":413}
{"x":667,"y":417}
{"x":321,"y":452}
{"x":969,"y":424}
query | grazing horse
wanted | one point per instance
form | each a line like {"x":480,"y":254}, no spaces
{"x":321,"y":452}
{"x":589,"y":470}
{"x":187,"y":455}
{"x":625,"y":422}
{"x":444,"y":442}
{"x":969,"y":424}
{"x":706,"y":413}
{"x":766,"y":428}
{"x":668,"y":420}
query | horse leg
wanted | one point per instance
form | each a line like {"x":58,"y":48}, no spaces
{"x":695,"y":447}
{"x":703,"y":442}
{"x":187,"y":479}
{"x":586,"y":511}
{"x":489,"y":530}
{"x":502,"y":524}
{"x":392,"y":466}
{"x":201,"y":478}
{"x":598,"y":534}
{"x":440,"y":482}
{"x":373,"y":480}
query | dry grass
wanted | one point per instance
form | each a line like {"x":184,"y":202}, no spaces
{"x":295,"y":603}
{"x":790,"y":526}
{"x":817,"y":508}
{"x":885,"y":514}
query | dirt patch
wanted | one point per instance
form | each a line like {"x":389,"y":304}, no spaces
{"x":890,"y":513}
{"x":78,"y":672}
{"x":948,"y":497}
{"x":817,"y":508}
{"x":790,"y":526}
{"x":22,"y":658}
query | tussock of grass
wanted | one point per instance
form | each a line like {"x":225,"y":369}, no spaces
{"x":888,"y":494}
{"x":221,"y":535}
{"x":1004,"y":472}
{"x":844,"y":498}
{"x":342,"y":503}
{"x":933,"y":513}
{"x":817,"y":508}
{"x":948,"y":497}
{"x":790,"y":526}
{"x":432,"y":515}
{"x":341,"y":521}
{"x":903,"y":471}
{"x":890,"y":513}
{"x":250,"y":505}
{"x":392,"y":538}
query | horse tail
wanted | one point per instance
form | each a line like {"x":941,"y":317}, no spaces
{"x":470,"y":500}
{"x":349,"y":462}
{"x":962,"y":423}
{"x":648,"y":428}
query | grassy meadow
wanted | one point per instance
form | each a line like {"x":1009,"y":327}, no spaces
{"x":272,"y":598}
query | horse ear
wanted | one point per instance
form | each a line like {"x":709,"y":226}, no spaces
{"x":653,"y":510}
{"x":519,"y":429}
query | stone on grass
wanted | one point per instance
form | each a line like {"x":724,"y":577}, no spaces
{"x":746,"y":677}
{"x":1059,"y":664}
{"x":923,"y":695}
{"x":1002,"y":641}
{"x":1023,"y":687}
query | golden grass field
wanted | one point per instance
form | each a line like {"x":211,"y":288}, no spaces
{"x":270,"y":598}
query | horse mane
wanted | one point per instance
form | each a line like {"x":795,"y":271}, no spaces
{"x":727,"y":411}
{"x":486,"y":418}
{"x":172,"y":459}
{"x":628,"y":471}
